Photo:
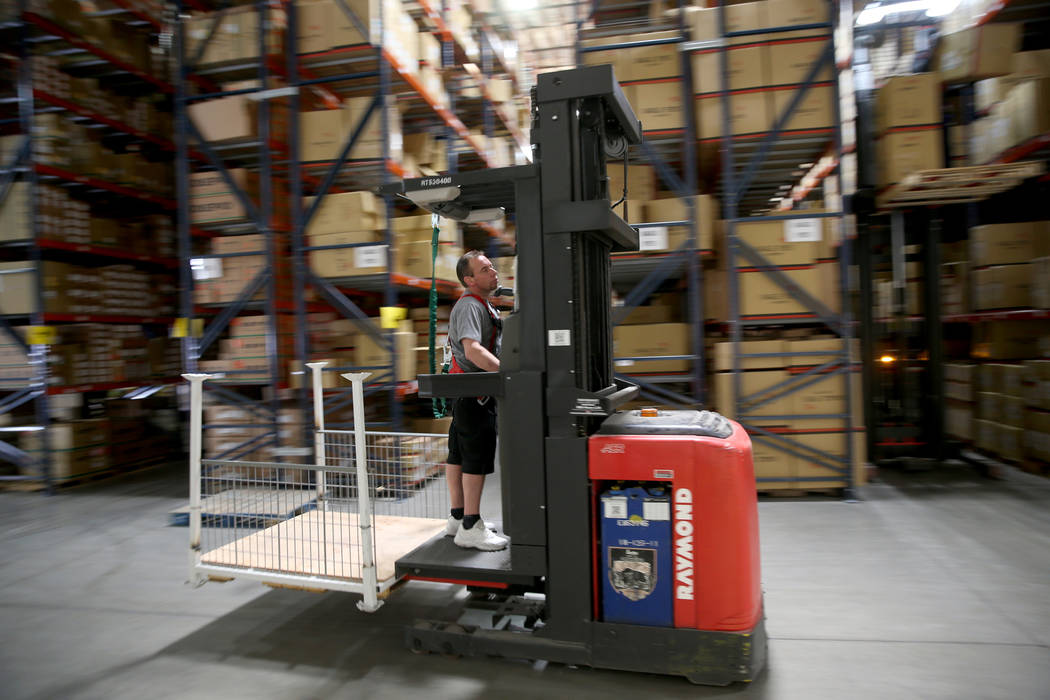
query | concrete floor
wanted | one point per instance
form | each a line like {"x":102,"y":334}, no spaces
{"x":937,"y":585}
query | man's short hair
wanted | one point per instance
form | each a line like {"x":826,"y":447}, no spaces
{"x":463,"y":266}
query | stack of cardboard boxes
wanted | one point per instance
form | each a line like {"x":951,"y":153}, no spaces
{"x":908,"y":118}
{"x":324,"y":133}
{"x":78,"y":448}
{"x":786,"y":411}
{"x":1000,"y":404}
{"x":15,"y":372}
{"x":349,"y":343}
{"x":764,"y":70}
{"x":244,"y":356}
{"x":1036,"y":439}
{"x":232,"y":273}
{"x":1015,"y":107}
{"x":72,"y":289}
{"x":802,"y":247}
{"x":1005,"y":262}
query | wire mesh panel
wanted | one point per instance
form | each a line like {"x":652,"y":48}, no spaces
{"x":303,"y":520}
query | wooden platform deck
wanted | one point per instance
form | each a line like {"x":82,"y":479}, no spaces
{"x":326,"y":544}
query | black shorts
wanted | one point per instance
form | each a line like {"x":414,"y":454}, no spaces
{"x":472,"y":436}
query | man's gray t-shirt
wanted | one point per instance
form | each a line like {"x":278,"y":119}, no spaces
{"x":471,"y":319}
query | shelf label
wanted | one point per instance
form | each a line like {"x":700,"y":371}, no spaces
{"x":652,"y":238}
{"x":559,"y":338}
{"x":802,"y":231}
{"x":391,"y":315}
{"x":188,"y":328}
{"x":206,"y":268}
{"x":370,"y":256}
{"x":40,"y":335}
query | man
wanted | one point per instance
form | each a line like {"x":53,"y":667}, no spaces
{"x":474,"y":334}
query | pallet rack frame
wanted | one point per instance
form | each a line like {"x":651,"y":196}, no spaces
{"x":840,"y":323}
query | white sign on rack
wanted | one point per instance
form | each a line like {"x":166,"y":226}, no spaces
{"x":802,"y":231}
{"x":370,"y":256}
{"x":652,"y":238}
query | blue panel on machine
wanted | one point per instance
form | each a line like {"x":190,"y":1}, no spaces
{"x":636,"y":555}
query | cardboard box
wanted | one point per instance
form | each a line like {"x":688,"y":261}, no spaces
{"x":347,"y":211}
{"x":658,"y":105}
{"x":989,"y":405}
{"x":1011,"y":379}
{"x":724,"y":355}
{"x":1037,"y":384}
{"x":748,"y":68}
{"x":641,"y":181}
{"x":652,"y":340}
{"x":343,"y":30}
{"x":1040,"y":290}
{"x":909,"y":100}
{"x":1030,"y":64}
{"x":815,"y":111}
{"x":750,"y":113}
{"x":824,"y":397}
{"x":831,"y":347}
{"x":346,"y":262}
{"x":774,"y":468}
{"x":813,"y":475}
{"x":369,"y":353}
{"x":1036,"y":444}
{"x":225,"y":118}
{"x":983,"y":51}
{"x":904,"y":152}
{"x":1012,"y":411}
{"x":18,"y":287}
{"x":798,"y":241}
{"x":1002,"y":287}
{"x":955,"y":290}
{"x":650,"y":62}
{"x":643,"y":315}
{"x":958,"y":420}
{"x":790,"y":61}
{"x":788,"y":13}
{"x":1008,"y":244}
{"x":322,"y":134}
{"x":1010,"y":441}
{"x":751,"y":383}
{"x":674,"y":209}
{"x":1028,"y":105}
{"x":760,"y":295}
{"x":313,"y":22}
{"x":739,"y":17}
{"x":370,"y":142}
{"x":1008,"y":340}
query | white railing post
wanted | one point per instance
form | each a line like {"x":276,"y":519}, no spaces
{"x":196,"y":429}
{"x":319,"y":454}
{"x":364,"y":517}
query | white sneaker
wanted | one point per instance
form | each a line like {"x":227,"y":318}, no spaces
{"x":452,"y":526}
{"x":479,"y":538}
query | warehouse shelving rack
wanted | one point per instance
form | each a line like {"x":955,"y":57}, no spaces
{"x":906,"y":412}
{"x":29,"y":32}
{"x":742,"y":191}
{"x":364,"y":69}
{"x":200,"y":334}
{"x":643,"y":274}
{"x":378,"y":69}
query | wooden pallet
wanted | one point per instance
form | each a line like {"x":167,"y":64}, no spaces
{"x":958,"y":185}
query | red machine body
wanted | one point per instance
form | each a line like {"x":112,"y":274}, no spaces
{"x":717,"y":577}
